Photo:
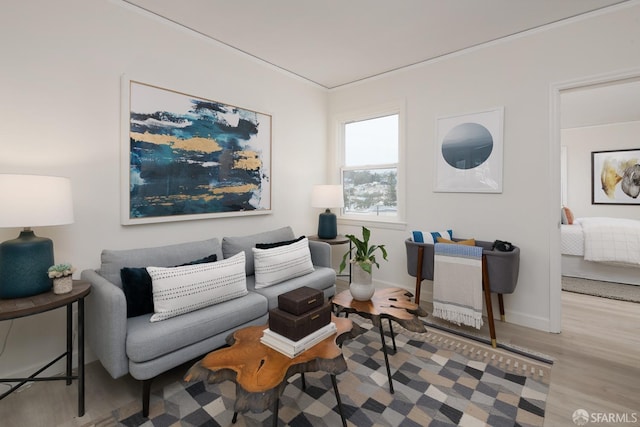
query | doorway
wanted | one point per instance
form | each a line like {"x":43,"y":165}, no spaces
{"x":590,"y":101}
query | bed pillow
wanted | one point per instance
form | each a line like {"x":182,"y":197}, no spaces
{"x":569,"y":215}
{"x":467,"y":242}
{"x":137,"y":288}
{"x":422,"y":237}
{"x":282,"y":263}
{"x":179,"y":290}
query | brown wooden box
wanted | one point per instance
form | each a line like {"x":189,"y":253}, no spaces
{"x":297,"y":327}
{"x":301,"y":300}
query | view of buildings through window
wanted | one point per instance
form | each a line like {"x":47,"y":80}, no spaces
{"x":370,"y":171}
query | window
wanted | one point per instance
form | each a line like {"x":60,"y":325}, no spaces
{"x":370,"y":168}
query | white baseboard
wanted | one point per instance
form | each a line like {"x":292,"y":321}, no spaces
{"x":528,"y":321}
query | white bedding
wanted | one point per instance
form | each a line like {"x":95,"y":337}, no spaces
{"x":576,"y":266}
{"x":572,"y":240}
{"x":611,"y":240}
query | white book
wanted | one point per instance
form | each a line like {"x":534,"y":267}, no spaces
{"x":293,"y":348}
{"x":278,"y":347}
{"x":325,"y":331}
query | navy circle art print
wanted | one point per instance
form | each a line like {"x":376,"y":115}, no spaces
{"x":467,"y":146}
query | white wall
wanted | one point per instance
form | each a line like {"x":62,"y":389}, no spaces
{"x":580,"y":142}
{"x":517,"y":74}
{"x":60,"y":114}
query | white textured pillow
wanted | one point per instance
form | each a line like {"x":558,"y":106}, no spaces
{"x":281,"y":263}
{"x":179,"y":290}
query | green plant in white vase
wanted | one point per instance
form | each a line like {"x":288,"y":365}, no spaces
{"x":362,"y":256}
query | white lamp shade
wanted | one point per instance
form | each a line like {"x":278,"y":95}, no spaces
{"x":327,"y":196}
{"x":34,"y":200}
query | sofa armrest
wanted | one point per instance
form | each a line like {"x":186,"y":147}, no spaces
{"x":106,"y":323}
{"x":320,"y":253}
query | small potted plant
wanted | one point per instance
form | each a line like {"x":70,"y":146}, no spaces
{"x":363,"y":260}
{"x":62,"y":279}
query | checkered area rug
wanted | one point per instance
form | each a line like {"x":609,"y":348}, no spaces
{"x":439,"y":380}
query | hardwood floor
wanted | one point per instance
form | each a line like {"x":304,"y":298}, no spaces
{"x":597,"y":368}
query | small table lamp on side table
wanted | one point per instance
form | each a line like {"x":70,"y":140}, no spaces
{"x":327,"y":197}
{"x":30,"y":201}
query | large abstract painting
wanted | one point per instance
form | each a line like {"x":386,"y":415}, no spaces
{"x":186,"y":157}
{"x":615,"y":177}
{"x":469,"y":152}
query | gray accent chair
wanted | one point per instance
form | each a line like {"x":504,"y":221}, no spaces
{"x":502,"y":267}
{"x":146,"y":349}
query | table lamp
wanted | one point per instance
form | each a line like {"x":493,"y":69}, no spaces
{"x":30,"y":201}
{"x":327,"y":196}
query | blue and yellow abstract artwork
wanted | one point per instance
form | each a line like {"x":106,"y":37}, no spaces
{"x":193,"y":158}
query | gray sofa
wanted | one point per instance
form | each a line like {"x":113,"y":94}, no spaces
{"x":146,"y":349}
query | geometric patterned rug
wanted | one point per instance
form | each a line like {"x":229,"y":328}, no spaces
{"x":439,"y":380}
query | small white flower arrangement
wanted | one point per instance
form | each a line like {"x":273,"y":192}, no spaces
{"x":60,"y":270}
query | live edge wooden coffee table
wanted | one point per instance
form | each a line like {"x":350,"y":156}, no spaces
{"x":388,"y":303}
{"x":261,"y":373}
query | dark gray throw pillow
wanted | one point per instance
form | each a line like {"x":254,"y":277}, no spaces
{"x":277,"y":244}
{"x":138,"y":287}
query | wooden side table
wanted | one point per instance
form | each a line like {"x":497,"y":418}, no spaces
{"x":261,"y":373}
{"x":339,"y":240}
{"x":388,"y":303}
{"x":28,"y":306}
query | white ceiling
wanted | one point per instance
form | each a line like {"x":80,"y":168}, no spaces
{"x":614,"y":102}
{"x":337,"y":42}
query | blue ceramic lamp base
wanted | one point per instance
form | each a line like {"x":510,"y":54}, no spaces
{"x":23,"y":265}
{"x":327,"y":225}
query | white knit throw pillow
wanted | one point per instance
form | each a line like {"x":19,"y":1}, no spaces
{"x":179,"y":290}
{"x":282,"y":263}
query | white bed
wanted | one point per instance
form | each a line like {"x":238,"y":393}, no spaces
{"x":606,"y":249}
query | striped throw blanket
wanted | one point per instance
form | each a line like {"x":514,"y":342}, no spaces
{"x":457,"y":284}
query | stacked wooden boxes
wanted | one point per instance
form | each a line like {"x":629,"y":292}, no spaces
{"x":300,"y":312}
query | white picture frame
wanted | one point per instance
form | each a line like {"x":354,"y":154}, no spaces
{"x":614,"y":177}
{"x":469,"y":152}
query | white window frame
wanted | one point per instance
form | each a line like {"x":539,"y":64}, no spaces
{"x":397,"y":221}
